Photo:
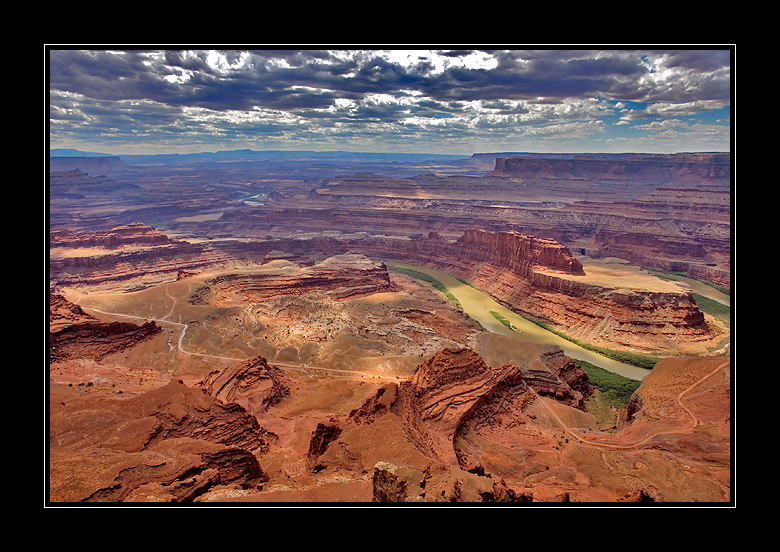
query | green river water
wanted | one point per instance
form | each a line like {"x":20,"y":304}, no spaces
{"x":478,"y":304}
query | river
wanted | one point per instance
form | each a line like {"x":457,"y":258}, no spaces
{"x":478,"y":304}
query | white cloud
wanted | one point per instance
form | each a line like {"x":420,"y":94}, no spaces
{"x":440,"y":62}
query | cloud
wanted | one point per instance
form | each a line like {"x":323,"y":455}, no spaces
{"x":329,"y":94}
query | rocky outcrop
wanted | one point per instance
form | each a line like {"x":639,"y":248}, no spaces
{"x":253,"y":384}
{"x":63,"y":313}
{"x":533,"y":277}
{"x":453,"y":400}
{"x":76,"y":334}
{"x":171,"y":444}
{"x":450,"y":389}
{"x":455,"y":392}
{"x":181,"y":411}
{"x":646,"y":168}
{"x":134,"y":234}
{"x":377,"y":405}
{"x":392,"y":483}
{"x":321,"y":437}
{"x":98,"y":339}
{"x":558,"y":376}
{"x":338,"y":277}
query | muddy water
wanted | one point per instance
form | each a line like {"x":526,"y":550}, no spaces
{"x":478,"y":304}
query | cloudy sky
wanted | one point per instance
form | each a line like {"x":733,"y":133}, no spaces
{"x":404,"y":100}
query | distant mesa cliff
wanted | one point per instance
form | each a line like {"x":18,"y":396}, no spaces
{"x":92,"y":165}
{"x":523,"y":255}
{"x":136,"y":233}
{"x":518,"y":252}
{"x":646,"y":168}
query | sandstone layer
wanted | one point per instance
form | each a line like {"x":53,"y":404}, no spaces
{"x":458,"y":430}
{"x":544,"y":283}
{"x":656,"y":169}
{"x":338,"y":277}
{"x":135,"y":233}
{"x":76,"y":334}
{"x":170,"y":445}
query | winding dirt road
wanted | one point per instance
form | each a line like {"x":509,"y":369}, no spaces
{"x":298,"y":367}
{"x":597,"y":444}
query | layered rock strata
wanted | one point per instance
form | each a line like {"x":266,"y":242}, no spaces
{"x":76,"y":334}
{"x":534,"y":277}
{"x":455,"y":391}
{"x":253,"y":384}
{"x":647,"y":168}
{"x":136,"y":233}
{"x":168,"y":445}
{"x":338,"y":277}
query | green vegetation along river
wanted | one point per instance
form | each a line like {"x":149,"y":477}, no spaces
{"x":480,"y":306}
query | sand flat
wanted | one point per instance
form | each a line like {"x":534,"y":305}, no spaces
{"x":616,"y":273}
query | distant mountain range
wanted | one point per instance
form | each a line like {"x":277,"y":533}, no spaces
{"x":264,"y":155}
{"x":62,"y":152}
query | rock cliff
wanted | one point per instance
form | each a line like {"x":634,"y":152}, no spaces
{"x":136,"y":233}
{"x":338,"y":277}
{"x":534,"y":277}
{"x":76,"y":334}
{"x":171,"y":444}
{"x":455,"y":392}
{"x":253,"y":384}
{"x":646,"y":168}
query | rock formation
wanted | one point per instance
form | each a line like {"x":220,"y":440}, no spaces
{"x":133,"y":234}
{"x":454,"y":392}
{"x":76,"y":334}
{"x":537,"y":278}
{"x":646,"y":168}
{"x":338,"y":277}
{"x":253,"y":384}
{"x":171,"y":444}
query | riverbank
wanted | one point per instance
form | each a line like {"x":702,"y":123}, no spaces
{"x":479,"y":306}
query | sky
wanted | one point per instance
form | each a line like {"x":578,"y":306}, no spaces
{"x":465,"y":101}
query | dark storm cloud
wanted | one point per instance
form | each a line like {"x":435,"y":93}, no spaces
{"x":264,"y":82}
{"x":255,"y":92}
{"x":104,"y":75}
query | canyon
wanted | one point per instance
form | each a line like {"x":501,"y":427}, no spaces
{"x":239,"y":330}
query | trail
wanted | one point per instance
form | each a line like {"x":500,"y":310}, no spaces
{"x":597,"y":444}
